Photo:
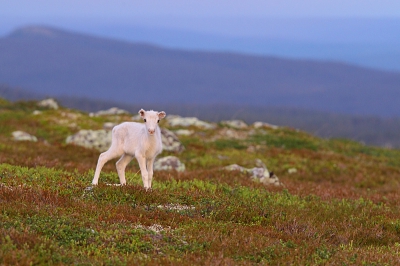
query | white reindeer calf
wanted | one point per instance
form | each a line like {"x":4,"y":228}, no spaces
{"x":131,"y":139}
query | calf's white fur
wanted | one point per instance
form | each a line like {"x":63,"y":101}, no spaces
{"x":131,"y":139}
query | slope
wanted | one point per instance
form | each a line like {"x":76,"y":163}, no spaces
{"x":339,"y":203}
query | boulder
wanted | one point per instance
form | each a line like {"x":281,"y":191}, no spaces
{"x":238,"y":124}
{"x":169,"y":163}
{"x":260,"y":174}
{"x":178,"y":121}
{"x":111,"y":111}
{"x":49,"y":103}
{"x":170,"y":141}
{"x":92,"y":139}
{"x":23,"y":136}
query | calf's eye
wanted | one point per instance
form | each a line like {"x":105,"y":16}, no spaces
{"x":158,"y":121}
{"x":144,"y":120}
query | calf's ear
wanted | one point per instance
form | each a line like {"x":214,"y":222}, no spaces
{"x":161,"y":114}
{"x":142,"y":112}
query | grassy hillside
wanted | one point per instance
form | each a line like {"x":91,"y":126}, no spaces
{"x":376,"y":131}
{"x":339,"y":208}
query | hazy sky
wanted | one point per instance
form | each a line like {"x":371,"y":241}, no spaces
{"x":253,"y":8}
{"x":221,"y":17}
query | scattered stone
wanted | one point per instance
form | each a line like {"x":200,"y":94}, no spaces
{"x":176,"y":207}
{"x":184,"y":132}
{"x":230,"y":133}
{"x":169,"y":163}
{"x":222,"y":157}
{"x":238,"y":124}
{"x":23,"y":136}
{"x":170,"y":141}
{"x":37,"y":112}
{"x":4,"y":186}
{"x":292,"y":170}
{"x":49,"y":103}
{"x":252,"y":149}
{"x":111,"y":111}
{"x":157,"y":228}
{"x":263,"y":124}
{"x":71,"y":115}
{"x":257,"y":173}
{"x":178,"y":121}
{"x":109,"y":125}
{"x":97,"y":139}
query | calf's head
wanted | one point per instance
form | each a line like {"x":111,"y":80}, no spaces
{"x":151,"y":119}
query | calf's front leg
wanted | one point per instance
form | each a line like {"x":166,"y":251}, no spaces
{"x":150,"y":163}
{"x":143,"y":170}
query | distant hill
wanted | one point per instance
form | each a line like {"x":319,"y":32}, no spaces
{"x":359,"y":41}
{"x":59,"y":63}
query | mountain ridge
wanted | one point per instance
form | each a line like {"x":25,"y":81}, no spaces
{"x":70,"y":64}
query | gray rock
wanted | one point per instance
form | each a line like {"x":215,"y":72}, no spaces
{"x":170,"y":141}
{"x":23,"y":136}
{"x":97,"y":139}
{"x":260,"y":174}
{"x":48,"y":103}
{"x":238,"y":124}
{"x":178,"y":121}
{"x":169,"y":163}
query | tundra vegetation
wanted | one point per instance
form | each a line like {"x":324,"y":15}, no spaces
{"x":339,"y":204}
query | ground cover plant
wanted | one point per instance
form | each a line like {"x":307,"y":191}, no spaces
{"x":338,"y":204}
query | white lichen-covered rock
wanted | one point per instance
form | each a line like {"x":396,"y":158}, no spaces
{"x":238,"y":124}
{"x":23,"y":136}
{"x":178,"y":121}
{"x":111,"y":111}
{"x":169,"y":163}
{"x":260,"y":174}
{"x":170,"y":141}
{"x":263,"y":124}
{"x":92,"y":139}
{"x":48,"y":103}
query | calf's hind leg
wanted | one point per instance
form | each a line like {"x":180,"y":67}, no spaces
{"x":103,"y":158}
